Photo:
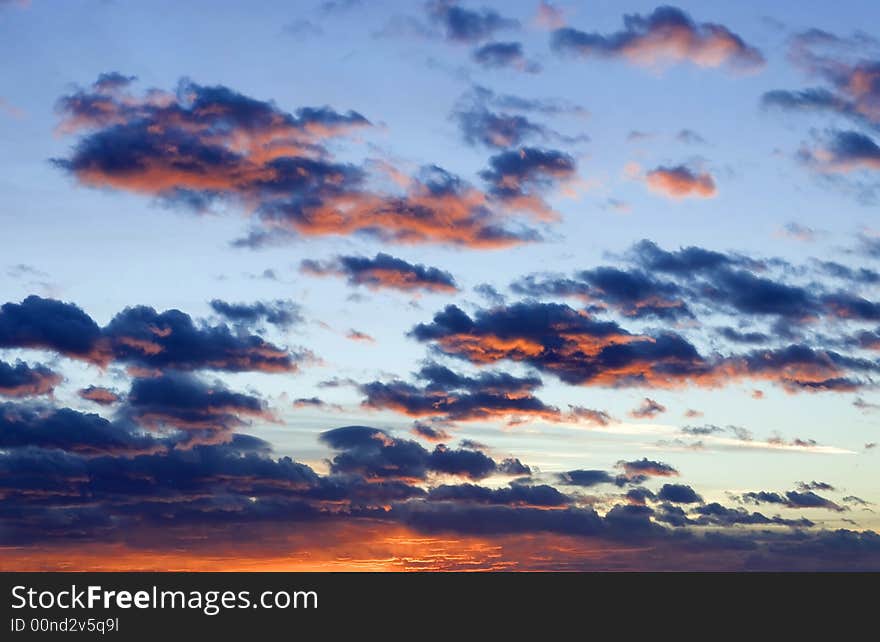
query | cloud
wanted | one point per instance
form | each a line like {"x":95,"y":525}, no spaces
{"x":681,"y":182}
{"x":683,"y":261}
{"x":814,"y":485}
{"x":689,"y":137}
{"x":502,"y":121}
{"x":312,"y":402}
{"x":283,"y":314}
{"x":639,"y":496}
{"x":357,"y":335}
{"x":514,"y":495}
{"x":852,"y":84}
{"x":797,"y":232}
{"x":844,"y":152}
{"x":375,"y":454}
{"x":497,"y":130}
{"x":519,"y":177}
{"x":631,"y":293}
{"x":792,"y":499}
{"x":449,"y":396}
{"x":60,"y":481}
{"x":138,"y":336}
{"x":429,"y":432}
{"x":39,"y":426}
{"x":99,"y":395}
{"x":645,"y":467}
{"x":718,"y":515}
{"x":590,"y":416}
{"x":735,"y":336}
{"x":736,"y":283}
{"x":512,"y":102}
{"x":204,"y":412}
{"x":581,"y":347}
{"x":384,"y":272}
{"x":467,"y":25}
{"x":679,"y":494}
{"x":648,"y":409}
{"x":23,"y":380}
{"x":569,"y":344}
{"x":587,"y":478}
{"x":202,"y":145}
{"x":667,"y":35}
{"x":499,"y":55}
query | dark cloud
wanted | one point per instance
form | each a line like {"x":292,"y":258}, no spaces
{"x":467,"y":25}
{"x":513,"y":495}
{"x":59,"y":482}
{"x":802,"y":368}
{"x":283,"y":314}
{"x":496,"y":55}
{"x":572,"y":345}
{"x":814,"y":485}
{"x":206,"y":412}
{"x":430,"y":432}
{"x":589,"y":478}
{"x":717,"y":515}
{"x":647,"y":468}
{"x":736,"y":336}
{"x":375,"y":454}
{"x":679,"y":494}
{"x":792,"y":499}
{"x":46,"y":324}
{"x":639,"y":495}
{"x":450,"y":396}
{"x":309,"y":402}
{"x":682,"y":262}
{"x":494,"y":129}
{"x":519,"y":177}
{"x":200,"y":145}
{"x":667,"y":35}
{"x":112,"y":81}
{"x":383,"y":272}
{"x":40,"y":426}
{"x":137,"y":336}
{"x":860,"y":275}
{"x":512,"y":466}
{"x":736,"y":284}
{"x":23,"y":380}
{"x":843,"y":152}
{"x":632,"y":293}
{"x":580,"y":348}
{"x":852,"y":84}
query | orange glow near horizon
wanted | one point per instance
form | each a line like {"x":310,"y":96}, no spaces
{"x":340,"y":548}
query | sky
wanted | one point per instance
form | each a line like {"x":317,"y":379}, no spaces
{"x":440,"y":285}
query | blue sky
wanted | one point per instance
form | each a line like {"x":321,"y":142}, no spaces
{"x":670,"y":129}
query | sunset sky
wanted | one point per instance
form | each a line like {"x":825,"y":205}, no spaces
{"x":363,"y":285}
